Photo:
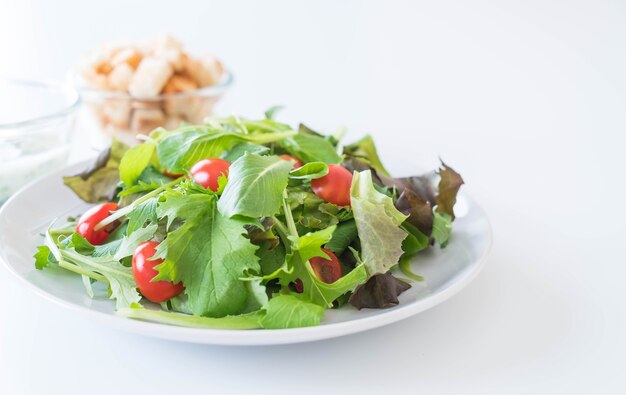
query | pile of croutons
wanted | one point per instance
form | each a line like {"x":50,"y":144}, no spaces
{"x":150,"y":75}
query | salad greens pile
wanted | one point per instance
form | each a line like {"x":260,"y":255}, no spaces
{"x":243,"y":252}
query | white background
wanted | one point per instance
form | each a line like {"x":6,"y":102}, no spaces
{"x":527,"y":99}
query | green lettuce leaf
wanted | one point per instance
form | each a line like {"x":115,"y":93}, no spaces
{"x":135,"y":161}
{"x":241,"y":149}
{"x":378,"y":224}
{"x":208,"y":253}
{"x":442,"y":228}
{"x":290,"y":311}
{"x":180,"y":150}
{"x":310,"y":171}
{"x":311,"y":148}
{"x":255,"y":187}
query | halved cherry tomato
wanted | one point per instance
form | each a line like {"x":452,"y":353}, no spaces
{"x":144,"y":272}
{"x":207,"y":171}
{"x":334,"y":187}
{"x":87,"y":223}
{"x":326,"y":270}
{"x":297,"y":162}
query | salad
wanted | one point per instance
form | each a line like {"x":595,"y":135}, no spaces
{"x":245,"y":224}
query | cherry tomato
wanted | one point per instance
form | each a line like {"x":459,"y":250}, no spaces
{"x":207,"y":171}
{"x":334,"y":187}
{"x":144,"y":272}
{"x":327,"y":270}
{"x":87,"y":223}
{"x":297,"y":162}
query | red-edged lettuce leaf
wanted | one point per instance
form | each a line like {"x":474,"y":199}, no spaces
{"x":380,"y":291}
{"x":99,"y":181}
{"x":420,"y":212}
{"x":449,"y":186}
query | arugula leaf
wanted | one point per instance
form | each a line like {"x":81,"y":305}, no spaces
{"x":309,"y":171}
{"x":365,"y":149}
{"x":135,"y":161}
{"x":99,"y":182}
{"x":129,"y":243}
{"x":442,"y":228}
{"x":297,"y":266}
{"x":240,"y":150}
{"x":289,"y":311}
{"x":142,"y":213}
{"x":380,"y":291}
{"x":43,"y":257}
{"x":208,"y":253}
{"x":449,"y":186}
{"x":255,"y":187}
{"x":105,"y":268}
{"x":378,"y":224}
{"x":180,"y":150}
{"x":311,"y":148}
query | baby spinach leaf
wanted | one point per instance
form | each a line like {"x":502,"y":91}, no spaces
{"x":255,"y":187}
{"x":290,"y":311}
{"x":378,"y":224}
{"x":342,"y":237}
{"x":208,"y":253}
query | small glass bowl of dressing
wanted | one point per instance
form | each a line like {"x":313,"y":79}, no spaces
{"x":36,"y":128}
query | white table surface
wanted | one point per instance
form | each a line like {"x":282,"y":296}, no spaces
{"x":526,"y":99}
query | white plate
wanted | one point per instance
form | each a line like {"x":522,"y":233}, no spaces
{"x":33,"y":208}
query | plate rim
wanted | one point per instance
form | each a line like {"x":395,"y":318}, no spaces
{"x":262,"y":337}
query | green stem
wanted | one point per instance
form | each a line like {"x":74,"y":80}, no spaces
{"x":77,"y":269}
{"x":122,"y":212}
{"x":245,"y":321}
{"x":291,"y":225}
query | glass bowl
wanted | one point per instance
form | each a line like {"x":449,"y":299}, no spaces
{"x":36,"y":127}
{"x":124,"y":116}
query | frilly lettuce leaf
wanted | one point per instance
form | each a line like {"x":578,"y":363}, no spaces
{"x":378,"y":224}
